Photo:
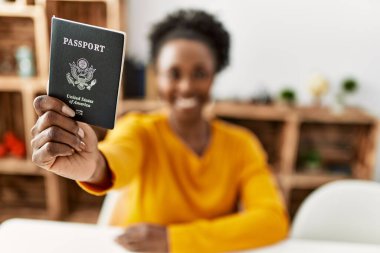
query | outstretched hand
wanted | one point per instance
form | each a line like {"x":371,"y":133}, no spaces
{"x":144,"y":237}
{"x":61,"y":144}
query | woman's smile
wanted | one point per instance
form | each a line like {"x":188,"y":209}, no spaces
{"x":186,"y":103}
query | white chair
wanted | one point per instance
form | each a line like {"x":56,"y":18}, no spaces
{"x":347,"y":210}
{"x":108,"y":206}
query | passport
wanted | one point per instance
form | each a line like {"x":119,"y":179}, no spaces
{"x":86,"y":65}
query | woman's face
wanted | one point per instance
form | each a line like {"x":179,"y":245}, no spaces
{"x":185,"y":70}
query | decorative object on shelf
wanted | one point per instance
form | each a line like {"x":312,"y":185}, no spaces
{"x":348,"y":86}
{"x":12,"y":145}
{"x":263,"y":97}
{"x":319,"y":86}
{"x":288,"y":96}
{"x":311,"y":161}
{"x":7,"y":65}
{"x":25,"y":61}
{"x":340,"y":169}
{"x":3,"y":150}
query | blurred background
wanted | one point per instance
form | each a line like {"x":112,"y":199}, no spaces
{"x":304,"y":77}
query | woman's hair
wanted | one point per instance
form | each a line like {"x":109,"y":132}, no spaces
{"x":196,"y":25}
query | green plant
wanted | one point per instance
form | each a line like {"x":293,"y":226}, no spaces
{"x":288,"y":95}
{"x":349,"y":85}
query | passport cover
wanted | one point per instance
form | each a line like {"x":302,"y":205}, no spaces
{"x":86,"y":64}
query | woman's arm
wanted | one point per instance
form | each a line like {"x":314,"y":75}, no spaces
{"x":120,"y":157}
{"x":263,"y":221}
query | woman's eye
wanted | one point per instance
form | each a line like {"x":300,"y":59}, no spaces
{"x":200,"y":74}
{"x":174,"y":74}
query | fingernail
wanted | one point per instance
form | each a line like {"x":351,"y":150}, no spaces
{"x":81,"y":133}
{"x":82,"y":145}
{"x":68,"y":111}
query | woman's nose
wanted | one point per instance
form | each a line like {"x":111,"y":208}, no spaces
{"x":185,"y":86}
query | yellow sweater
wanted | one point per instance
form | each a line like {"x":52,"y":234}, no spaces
{"x":195,"y":197}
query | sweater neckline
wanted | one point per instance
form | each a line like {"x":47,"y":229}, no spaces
{"x":177,"y":139}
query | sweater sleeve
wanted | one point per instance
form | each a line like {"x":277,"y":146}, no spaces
{"x":262,"y":221}
{"x":123,"y":150}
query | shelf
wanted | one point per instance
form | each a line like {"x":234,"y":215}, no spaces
{"x":250,"y":111}
{"x":325,"y":115}
{"x":19,"y":10}
{"x":23,"y":212}
{"x":87,"y":215}
{"x":18,"y":84}
{"x":14,"y":166}
{"x":309,"y":180}
{"x":26,"y":25}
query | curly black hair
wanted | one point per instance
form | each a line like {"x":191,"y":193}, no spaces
{"x":196,"y":25}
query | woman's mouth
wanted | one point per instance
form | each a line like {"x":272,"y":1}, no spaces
{"x":186,"y":103}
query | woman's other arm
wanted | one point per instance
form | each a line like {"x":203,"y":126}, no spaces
{"x":262,"y":221}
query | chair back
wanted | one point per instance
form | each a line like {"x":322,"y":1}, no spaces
{"x":346,"y":210}
{"x":108,"y":207}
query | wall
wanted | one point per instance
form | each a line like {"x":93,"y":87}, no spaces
{"x":282,"y":43}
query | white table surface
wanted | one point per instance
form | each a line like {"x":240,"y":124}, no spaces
{"x":314,"y":246}
{"x":36,"y":236}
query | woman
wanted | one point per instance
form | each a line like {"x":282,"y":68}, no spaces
{"x":185,"y":175}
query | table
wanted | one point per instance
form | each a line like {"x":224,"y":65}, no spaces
{"x":36,"y":236}
{"x":315,"y":246}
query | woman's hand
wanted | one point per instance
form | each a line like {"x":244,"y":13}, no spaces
{"x":145,"y":238}
{"x":63,"y":145}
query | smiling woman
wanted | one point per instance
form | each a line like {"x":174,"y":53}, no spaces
{"x":185,"y":174}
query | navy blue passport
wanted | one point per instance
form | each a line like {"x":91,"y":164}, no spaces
{"x":86,"y":64}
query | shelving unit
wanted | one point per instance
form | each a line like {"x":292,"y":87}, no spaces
{"x":345,"y":143}
{"x":22,"y":25}
{"x":27,"y":22}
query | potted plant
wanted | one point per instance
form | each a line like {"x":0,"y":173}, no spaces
{"x":288,"y":96}
{"x":348,"y":87}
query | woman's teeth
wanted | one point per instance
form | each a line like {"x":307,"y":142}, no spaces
{"x":186,"y":102}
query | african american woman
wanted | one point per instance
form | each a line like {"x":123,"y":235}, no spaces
{"x":185,"y":175}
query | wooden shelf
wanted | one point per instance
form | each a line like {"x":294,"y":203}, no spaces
{"x":19,"y":10}
{"x":18,"y":84}
{"x":19,"y":166}
{"x":23,"y":212}
{"x":248,"y":111}
{"x":326,"y":116}
{"x":87,"y":215}
{"x":16,"y":2}
{"x":26,"y":25}
{"x":309,"y":180}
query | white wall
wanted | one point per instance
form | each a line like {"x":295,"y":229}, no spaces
{"x":282,"y":43}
